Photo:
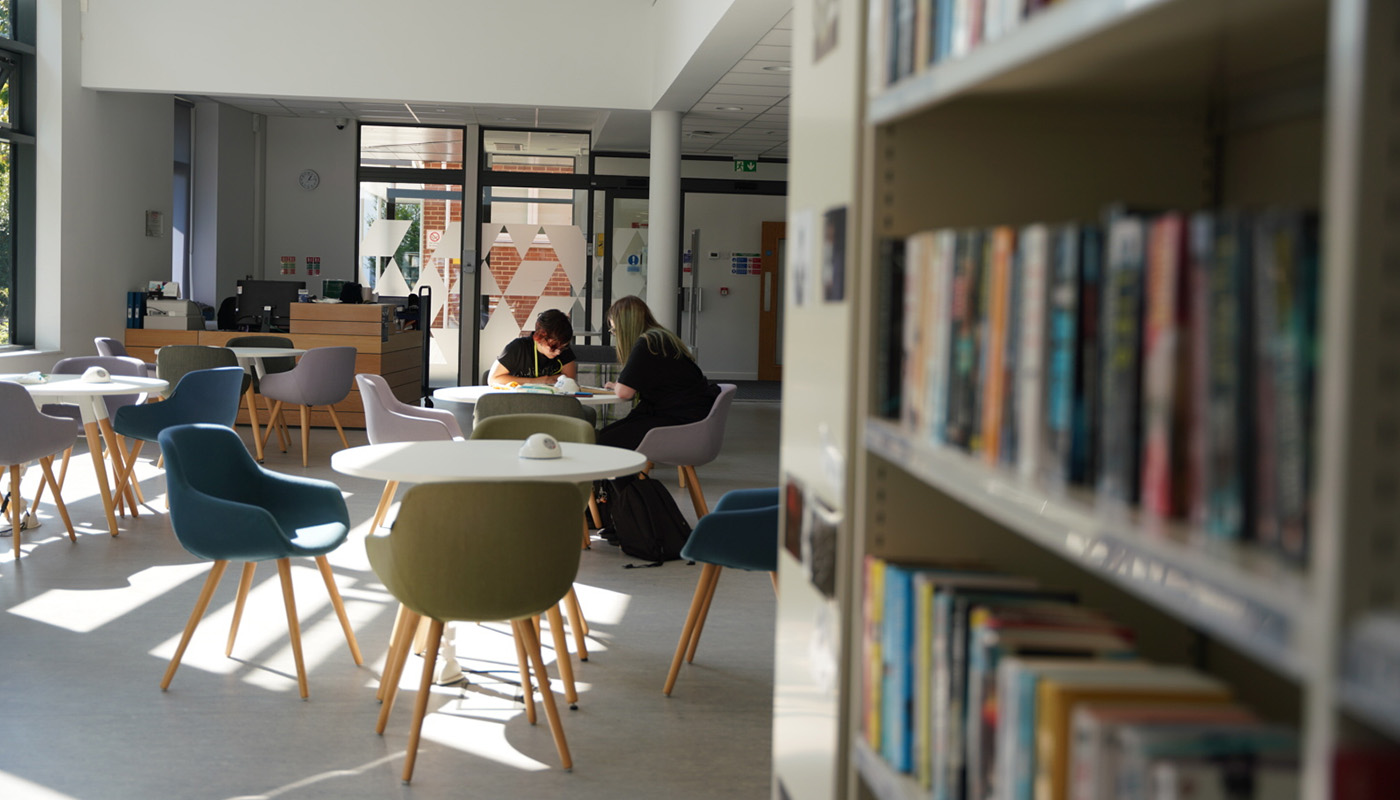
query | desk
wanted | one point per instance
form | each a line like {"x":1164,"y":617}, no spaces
{"x":466,"y":397}
{"x":88,"y":398}
{"x":251,"y":359}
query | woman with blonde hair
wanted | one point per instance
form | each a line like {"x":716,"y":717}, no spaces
{"x":657,"y":369}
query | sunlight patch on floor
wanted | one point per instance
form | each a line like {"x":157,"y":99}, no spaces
{"x":82,"y":611}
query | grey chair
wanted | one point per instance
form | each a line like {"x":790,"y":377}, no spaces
{"x":30,"y":434}
{"x":388,"y":419}
{"x":115,"y":365}
{"x":494,"y":403}
{"x":269,"y":366}
{"x":174,"y":360}
{"x":113,"y":348}
{"x":691,"y":445}
{"x":323,"y":377}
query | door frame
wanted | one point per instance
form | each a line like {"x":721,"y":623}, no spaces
{"x":769,"y":301}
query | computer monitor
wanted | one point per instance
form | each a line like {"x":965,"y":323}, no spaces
{"x":266,"y":305}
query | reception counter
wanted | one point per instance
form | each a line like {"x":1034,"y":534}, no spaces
{"x":398,"y":356}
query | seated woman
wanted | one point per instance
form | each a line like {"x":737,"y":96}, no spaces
{"x":658,"y":369}
{"x":539,"y":358}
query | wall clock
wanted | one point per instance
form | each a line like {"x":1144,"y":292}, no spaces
{"x":309,"y":179}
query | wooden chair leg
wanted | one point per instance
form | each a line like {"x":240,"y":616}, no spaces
{"x":593,"y":509}
{"x":46,"y":463}
{"x":306,"y":436}
{"x":245,"y":582}
{"x":128,"y":469}
{"x":393,"y":645}
{"x":275,"y":421}
{"x":420,"y":705}
{"x":128,"y":456}
{"x":556,"y":725}
{"x":284,"y":571}
{"x":696,"y":603}
{"x":253,"y":421}
{"x":527,"y":694}
{"x":277,"y":415}
{"x":215,"y":573}
{"x":386,"y":499}
{"x":577,"y":623}
{"x":562,"y":656}
{"x":63,"y":469}
{"x":339,"y":605}
{"x":697,"y":497}
{"x":15,"y":502}
{"x":704,"y":614}
{"x":335,"y":418}
{"x":394,"y":664}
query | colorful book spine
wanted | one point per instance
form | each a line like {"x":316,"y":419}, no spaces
{"x":1084,"y":443}
{"x":918,"y":256}
{"x":896,"y":655}
{"x":889,"y":352}
{"x":1062,"y":314}
{"x":964,"y":344}
{"x":1229,"y":438}
{"x":940,"y":337}
{"x":872,"y":674}
{"x":1165,"y":377}
{"x":1031,"y":350}
{"x":1117,"y":479}
{"x":1003,"y":243}
{"x":1200,"y":249}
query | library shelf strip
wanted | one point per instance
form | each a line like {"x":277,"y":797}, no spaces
{"x":1252,"y":603}
{"x":882,"y":779}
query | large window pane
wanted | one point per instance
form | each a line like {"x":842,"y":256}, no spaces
{"x":7,"y":250}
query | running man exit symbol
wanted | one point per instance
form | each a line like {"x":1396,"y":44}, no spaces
{"x":745,"y":166}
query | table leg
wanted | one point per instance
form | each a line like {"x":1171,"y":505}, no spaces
{"x":94,"y":438}
{"x":253,"y":420}
{"x":114,"y":448}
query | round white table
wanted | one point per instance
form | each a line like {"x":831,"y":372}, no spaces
{"x":470,"y":394}
{"x":483,"y":460}
{"x":88,"y":398}
{"x":251,"y":359}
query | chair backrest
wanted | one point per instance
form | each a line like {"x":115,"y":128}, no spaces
{"x":694,"y":443}
{"x":115,"y":365}
{"x":173,"y":361}
{"x":28,"y":433}
{"x":323,"y":377}
{"x":387,"y":419}
{"x":270,"y":365}
{"x":204,"y":395}
{"x":521,"y":426}
{"x":107,"y":346}
{"x":741,"y":531}
{"x":493,"y":403}
{"x":463,"y":551}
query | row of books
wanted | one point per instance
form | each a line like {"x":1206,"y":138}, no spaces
{"x":918,"y":33}
{"x":986,"y":686}
{"x":1164,"y":359}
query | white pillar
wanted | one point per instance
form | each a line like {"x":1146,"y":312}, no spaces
{"x":664,"y":217}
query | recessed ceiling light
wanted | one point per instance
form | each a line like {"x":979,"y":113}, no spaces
{"x":779,"y":68}
{"x":729,"y":108}
{"x":704,"y":133}
{"x":509,"y":119}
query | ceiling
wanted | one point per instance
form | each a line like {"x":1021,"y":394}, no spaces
{"x":743,"y":115}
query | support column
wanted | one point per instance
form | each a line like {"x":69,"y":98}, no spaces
{"x":664,"y":217}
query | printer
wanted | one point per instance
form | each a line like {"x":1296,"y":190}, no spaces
{"x":174,"y":315}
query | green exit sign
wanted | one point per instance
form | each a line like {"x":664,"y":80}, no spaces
{"x":745,"y":166}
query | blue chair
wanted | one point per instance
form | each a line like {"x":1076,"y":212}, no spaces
{"x":203,"y":395}
{"x":741,"y":533}
{"x":225,"y":507}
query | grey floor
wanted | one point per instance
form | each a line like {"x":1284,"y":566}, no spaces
{"x":88,"y":629}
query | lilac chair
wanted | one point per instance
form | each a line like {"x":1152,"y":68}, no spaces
{"x":691,"y":445}
{"x":115,"y":365}
{"x":29,"y":434}
{"x":114,"y":349}
{"x":388,"y":419}
{"x":323,"y":377}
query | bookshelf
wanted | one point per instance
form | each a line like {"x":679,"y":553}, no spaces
{"x":1169,"y":104}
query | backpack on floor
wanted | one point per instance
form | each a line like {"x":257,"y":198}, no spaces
{"x":646,"y":520}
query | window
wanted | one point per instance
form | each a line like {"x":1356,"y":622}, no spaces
{"x":16,"y":172}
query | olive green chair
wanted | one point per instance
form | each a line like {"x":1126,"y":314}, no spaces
{"x":462,"y":552}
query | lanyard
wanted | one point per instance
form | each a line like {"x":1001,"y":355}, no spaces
{"x":536,"y":347}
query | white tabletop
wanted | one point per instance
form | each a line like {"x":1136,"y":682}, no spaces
{"x":470,"y":394}
{"x":265,"y":352}
{"x":483,"y":460}
{"x":73,"y":385}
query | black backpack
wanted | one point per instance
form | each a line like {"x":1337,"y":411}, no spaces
{"x":645,"y":519}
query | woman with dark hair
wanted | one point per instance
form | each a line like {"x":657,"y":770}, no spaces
{"x":540,"y":357}
{"x":657,"y":369}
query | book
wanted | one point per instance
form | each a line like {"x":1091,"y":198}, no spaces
{"x":1041,"y":630}
{"x":919,"y":323}
{"x":1200,"y":260}
{"x":940,"y":337}
{"x":1056,"y":696}
{"x":998,"y":298}
{"x":897,"y":657}
{"x":1251,"y":759}
{"x":1165,"y":368}
{"x":1031,"y":349}
{"x":1094,"y":751}
{"x":965,"y":342}
{"x":1085,"y":434}
{"x":1222,"y":778}
{"x":889,"y":349}
{"x":1119,"y":435}
{"x":1010,"y":360}
{"x":1228,"y":434}
{"x":1365,"y":773}
{"x":1017,"y":677}
{"x":872,"y":632}
{"x":1062,"y":320}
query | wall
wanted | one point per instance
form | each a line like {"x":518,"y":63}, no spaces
{"x":316,"y":223}
{"x":226,"y":187}
{"x":727,"y":327}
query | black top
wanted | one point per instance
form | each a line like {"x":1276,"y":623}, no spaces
{"x":519,"y":359}
{"x":667,"y":386}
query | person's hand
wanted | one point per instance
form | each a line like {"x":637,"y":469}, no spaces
{"x":610,"y":385}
